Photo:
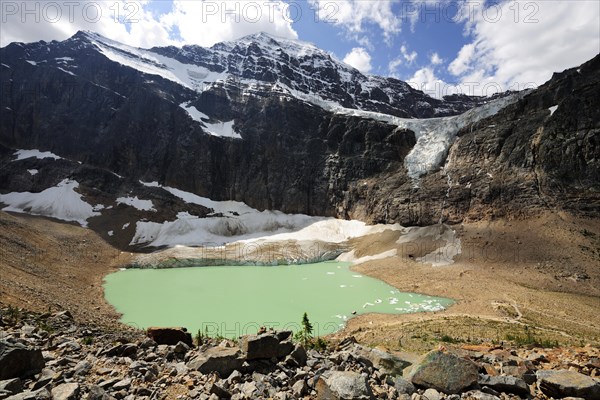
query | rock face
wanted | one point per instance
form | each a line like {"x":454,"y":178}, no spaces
{"x":444,"y":372}
{"x":559,"y":384}
{"x":170,"y":336}
{"x":339,"y":385}
{"x":293,"y":155}
{"x":17,"y":360}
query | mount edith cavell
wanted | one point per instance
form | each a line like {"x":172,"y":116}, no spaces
{"x":462,"y":234}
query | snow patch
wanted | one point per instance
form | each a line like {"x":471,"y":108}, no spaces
{"x":242,"y":223}
{"x":111,"y":233}
{"x":222,"y":129}
{"x":552,"y":109}
{"x":31,"y":62}
{"x":40,"y":155}
{"x":60,"y":202}
{"x":68,"y":72}
{"x":33,"y":172}
{"x":142,"y":205}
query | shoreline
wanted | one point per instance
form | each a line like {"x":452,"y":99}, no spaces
{"x":554,"y":284}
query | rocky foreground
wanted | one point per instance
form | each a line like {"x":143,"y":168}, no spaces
{"x":51,"y":356}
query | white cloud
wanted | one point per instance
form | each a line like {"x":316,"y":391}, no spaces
{"x":206,"y":23}
{"x":516,"y":50}
{"x":394,"y":65}
{"x":425,"y":80}
{"x":435,"y":59}
{"x":410,"y":57}
{"x":360,"y":59}
{"x":353,"y":15}
{"x":463,"y":60}
{"x":196,"y":22}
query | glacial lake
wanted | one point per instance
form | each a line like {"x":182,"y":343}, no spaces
{"x":237,"y":300}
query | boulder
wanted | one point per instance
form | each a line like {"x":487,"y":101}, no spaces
{"x":170,"y":336}
{"x":17,"y":361}
{"x":66,"y":391}
{"x":343,"y":385}
{"x":221,"y":360}
{"x":42,"y":394}
{"x":386,"y":363}
{"x":564,"y":383}
{"x":97,"y":393}
{"x":297,"y":357}
{"x":444,"y":372}
{"x":219,"y":391}
{"x":506,"y":384}
{"x":402,"y":385}
{"x":265,"y":346}
{"x":12,"y":386}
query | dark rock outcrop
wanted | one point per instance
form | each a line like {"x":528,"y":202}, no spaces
{"x":265,"y":346}
{"x":18,"y":361}
{"x":170,"y":336}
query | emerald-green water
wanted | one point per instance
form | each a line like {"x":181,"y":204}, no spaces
{"x":237,"y":300}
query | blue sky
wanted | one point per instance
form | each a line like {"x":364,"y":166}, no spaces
{"x":439,"y":46}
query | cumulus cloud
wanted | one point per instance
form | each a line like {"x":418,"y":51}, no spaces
{"x":188,"y":22}
{"x":360,"y":59}
{"x":354,"y":15}
{"x":410,"y":57}
{"x":425,"y":79}
{"x":435,"y":59}
{"x":518,"y":45}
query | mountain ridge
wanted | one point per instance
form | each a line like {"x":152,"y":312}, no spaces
{"x":277,"y":151}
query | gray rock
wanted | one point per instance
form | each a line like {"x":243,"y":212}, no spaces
{"x":477,"y":395}
{"x":297,"y":357}
{"x":386,"y":363}
{"x":265,"y":346}
{"x":248,"y":389}
{"x":506,"y":384}
{"x":234,"y":377}
{"x":42,"y":394}
{"x":18,"y":361}
{"x":122,"y":384}
{"x":12,"y":386}
{"x":564,"y":383}
{"x":219,"y":391}
{"x":82,"y":367}
{"x":221,"y":360}
{"x":338,"y":385}
{"x":300,"y":388}
{"x":181,"y":348}
{"x":402,"y":385}
{"x":444,"y":372}
{"x":432,"y":394}
{"x":66,"y":391}
{"x":97,"y":393}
